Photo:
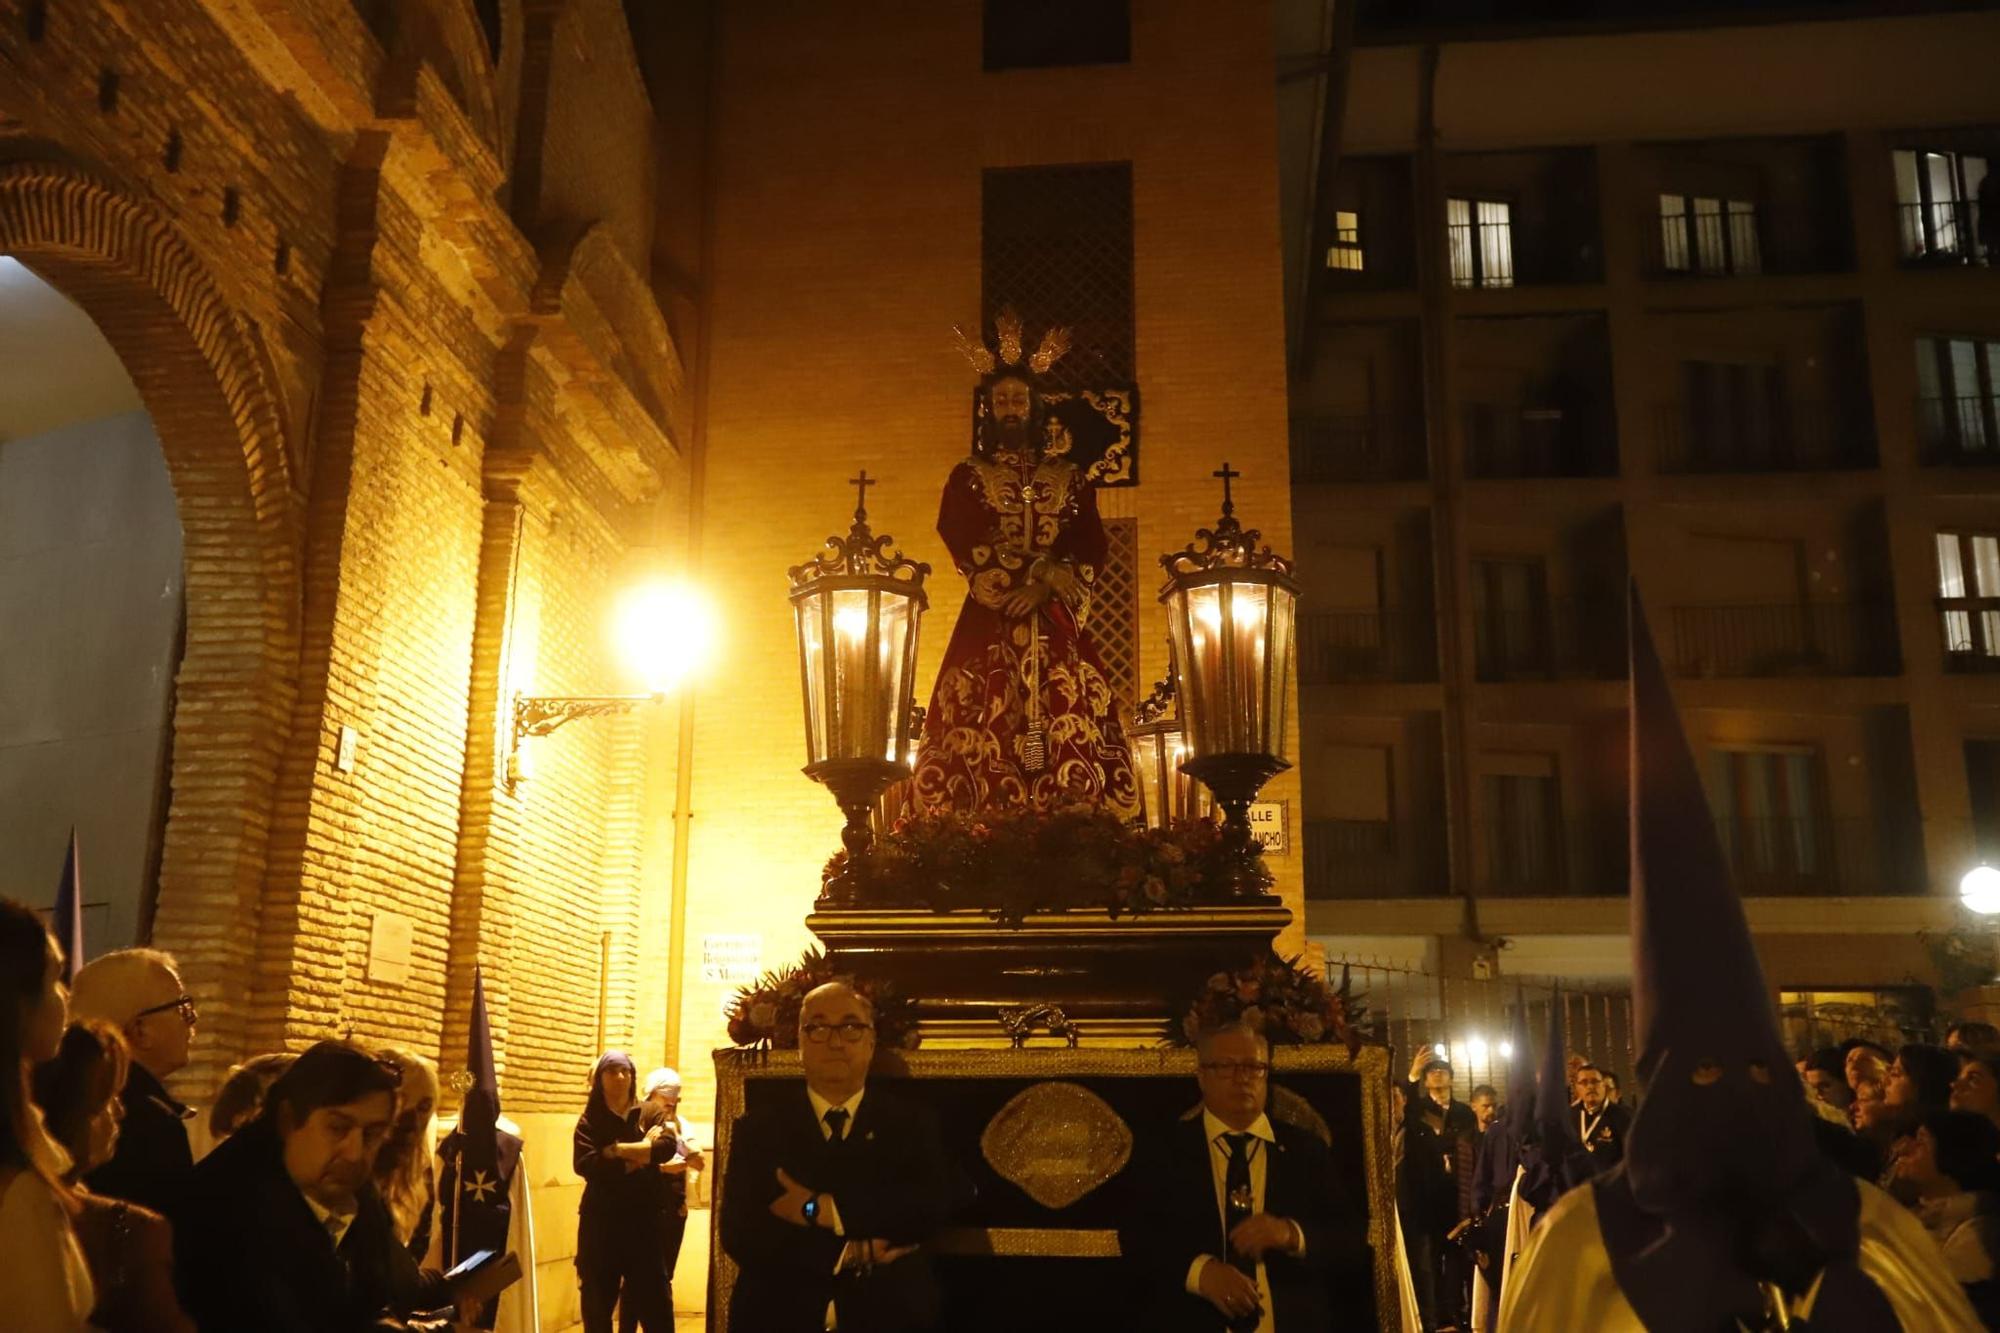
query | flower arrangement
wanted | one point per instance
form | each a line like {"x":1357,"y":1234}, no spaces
{"x":1287,"y":1003}
{"x":1010,"y":863}
{"x":766,"y":1013}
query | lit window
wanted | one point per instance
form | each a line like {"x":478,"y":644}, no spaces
{"x":1969,"y":596}
{"x":1937,"y":206}
{"x":1708,"y":236}
{"x":1770,"y":818}
{"x":1958,"y":403}
{"x":1481,"y":232}
{"x":1346,"y":251}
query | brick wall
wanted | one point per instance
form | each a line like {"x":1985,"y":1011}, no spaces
{"x":848,"y":154}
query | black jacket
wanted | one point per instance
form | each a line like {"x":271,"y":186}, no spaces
{"x":1606,"y":1148}
{"x":1174,"y":1218}
{"x":889,"y":1179}
{"x":153,"y":1161}
{"x":1434,"y":1181}
{"x":252,"y":1257}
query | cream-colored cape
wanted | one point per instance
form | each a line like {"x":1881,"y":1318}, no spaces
{"x":1565,"y":1281}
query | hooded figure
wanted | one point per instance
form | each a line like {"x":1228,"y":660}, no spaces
{"x":1723,"y":1215}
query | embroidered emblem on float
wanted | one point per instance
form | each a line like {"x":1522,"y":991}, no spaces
{"x":1057,"y":1142}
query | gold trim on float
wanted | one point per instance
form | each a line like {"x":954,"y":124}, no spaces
{"x":1025,"y":1243}
{"x":918,"y":922}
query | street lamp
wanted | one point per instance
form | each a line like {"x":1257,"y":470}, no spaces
{"x":664,"y":632}
{"x":1979,"y":890}
{"x":858,"y":603}
{"x":1230,"y":611}
{"x":1159,"y":745}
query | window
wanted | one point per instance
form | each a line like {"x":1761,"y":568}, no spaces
{"x":1041,"y":34}
{"x":1770,"y":821}
{"x":1958,"y":407}
{"x":1937,"y":197}
{"x":1969,"y":599}
{"x":1510,"y":616}
{"x":1733,"y":416}
{"x":1708,"y":236}
{"x":1523,"y":822}
{"x":1346,"y":251}
{"x":1056,"y":245}
{"x":1481,"y":232}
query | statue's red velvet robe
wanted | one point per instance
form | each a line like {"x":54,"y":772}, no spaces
{"x":1005,"y":518}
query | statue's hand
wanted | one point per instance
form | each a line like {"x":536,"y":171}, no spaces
{"x":1027,"y":599}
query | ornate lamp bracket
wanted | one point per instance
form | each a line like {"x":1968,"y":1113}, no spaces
{"x":540,"y":714}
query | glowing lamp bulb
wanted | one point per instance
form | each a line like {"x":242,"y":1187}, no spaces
{"x":1980,"y":890}
{"x":1475,"y":1049}
{"x":665,"y":634}
{"x":850,"y":622}
{"x":1506,"y":1050}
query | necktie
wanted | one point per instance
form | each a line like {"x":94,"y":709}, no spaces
{"x":1238,"y":1203}
{"x":836,"y":1124}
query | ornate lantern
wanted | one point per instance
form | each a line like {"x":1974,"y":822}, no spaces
{"x":858,"y":603}
{"x":1158,"y":747}
{"x":1231,"y":607}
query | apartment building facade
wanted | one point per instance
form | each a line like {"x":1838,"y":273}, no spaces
{"x":1715,"y":309}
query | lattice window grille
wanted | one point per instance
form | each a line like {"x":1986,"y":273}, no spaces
{"x":1114,"y":614}
{"x":1056,"y":244}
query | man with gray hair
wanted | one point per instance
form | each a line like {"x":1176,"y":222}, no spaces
{"x":832,"y":1188}
{"x":139,"y":992}
{"x":1241,"y":1222}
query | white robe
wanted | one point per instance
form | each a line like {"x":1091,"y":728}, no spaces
{"x":1565,"y":1280}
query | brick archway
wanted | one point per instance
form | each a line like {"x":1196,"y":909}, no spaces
{"x":206,"y":383}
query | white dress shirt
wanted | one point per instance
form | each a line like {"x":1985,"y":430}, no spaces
{"x":1262,"y":1142}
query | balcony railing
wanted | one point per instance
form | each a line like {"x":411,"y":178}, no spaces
{"x":1550,"y":440}
{"x":1942,"y":234}
{"x":1971,"y":630}
{"x":1375,"y":446}
{"x":1377,"y":643}
{"x":1564,"y":640}
{"x":1794,"y":440}
{"x":1354,"y":858}
{"x":1780,"y":857}
{"x":1715,"y":245}
{"x":1959,"y":430}
{"x":1528,"y":863}
{"x":1786,"y":639}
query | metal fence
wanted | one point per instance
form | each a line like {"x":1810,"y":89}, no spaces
{"x":1469,"y":1021}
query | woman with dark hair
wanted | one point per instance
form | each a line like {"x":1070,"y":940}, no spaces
{"x":130,"y":1249}
{"x":48,"y":1283}
{"x":1919,"y":1082}
{"x":1949,"y":1166}
{"x":619,"y":1245}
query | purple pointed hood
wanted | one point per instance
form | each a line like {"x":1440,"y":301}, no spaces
{"x":1724,"y":1113}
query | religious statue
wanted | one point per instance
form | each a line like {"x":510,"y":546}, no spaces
{"x":1022,"y":714}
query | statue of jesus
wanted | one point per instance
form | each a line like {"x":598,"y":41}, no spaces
{"x":1022,"y":714}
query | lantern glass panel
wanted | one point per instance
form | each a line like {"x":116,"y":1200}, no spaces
{"x":1147,"y":758}
{"x":1234,"y":636}
{"x":813,"y":671}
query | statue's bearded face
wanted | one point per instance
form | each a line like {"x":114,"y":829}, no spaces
{"x":1009,"y":407}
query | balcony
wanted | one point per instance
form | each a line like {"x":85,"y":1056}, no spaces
{"x":1942,"y":235}
{"x":1793,"y":440}
{"x":1788,"y":639}
{"x":1971,"y":628}
{"x":1565,"y":640}
{"x":1959,"y":430}
{"x":1373,"y":446}
{"x":1376,"y":643}
{"x":1529,"y":861}
{"x":1518,"y":440}
{"x":1788,"y":857}
{"x":1353,"y":858}
{"x":1731,"y":243}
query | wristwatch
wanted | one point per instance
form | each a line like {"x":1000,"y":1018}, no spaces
{"x":809,"y":1210}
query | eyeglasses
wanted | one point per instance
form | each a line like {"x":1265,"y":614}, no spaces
{"x":848,"y":1032}
{"x":185,"y":1004}
{"x":1236,"y":1068}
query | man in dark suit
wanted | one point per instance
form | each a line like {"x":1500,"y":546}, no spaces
{"x":280,"y":1230}
{"x":830,"y":1190}
{"x":139,"y":992}
{"x":1601,"y":1123}
{"x":1238,"y":1222}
